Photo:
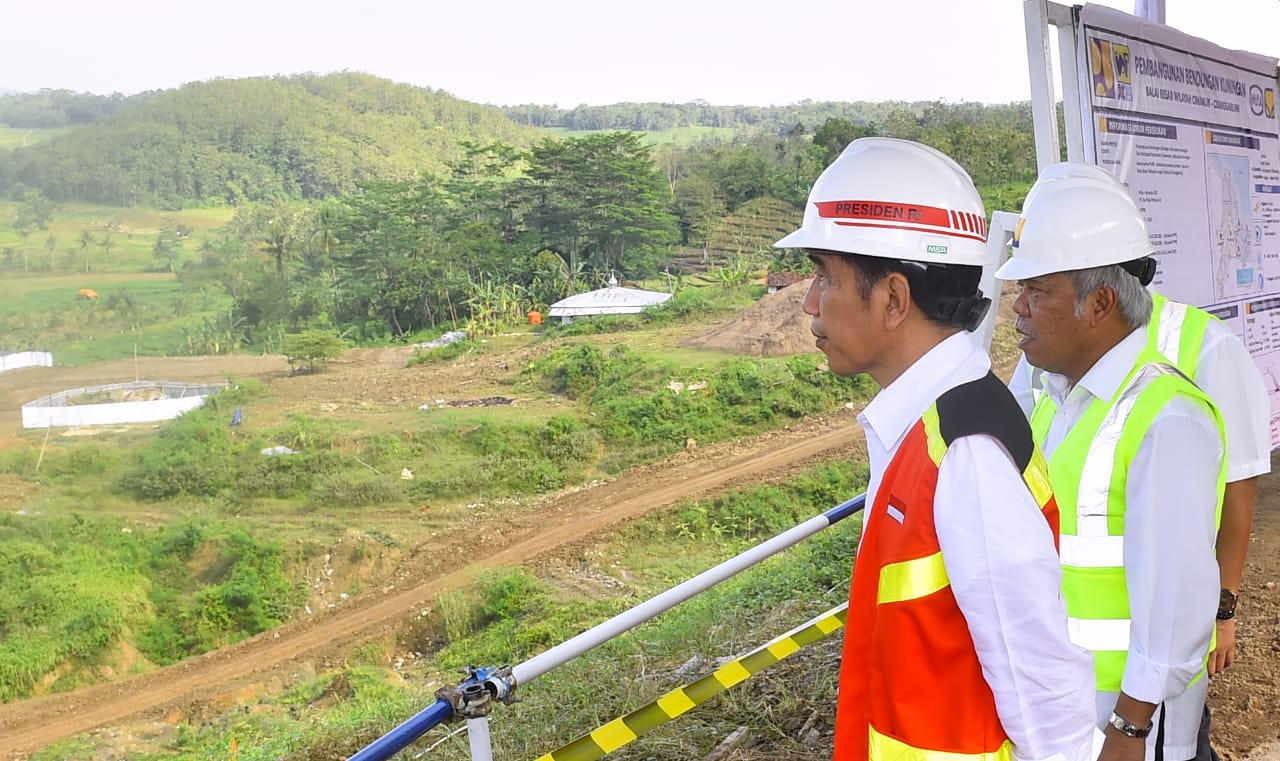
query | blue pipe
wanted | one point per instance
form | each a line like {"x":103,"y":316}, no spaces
{"x":400,"y":738}
{"x":844,"y":510}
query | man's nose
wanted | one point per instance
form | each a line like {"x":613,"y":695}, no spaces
{"x":810,"y":303}
{"x":1020,"y":306}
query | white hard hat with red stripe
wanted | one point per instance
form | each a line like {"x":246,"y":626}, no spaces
{"x":894,"y":199}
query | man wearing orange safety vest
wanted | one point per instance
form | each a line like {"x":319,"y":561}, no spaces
{"x":1206,"y":351}
{"x":1136,"y":458}
{"x":957,"y":646}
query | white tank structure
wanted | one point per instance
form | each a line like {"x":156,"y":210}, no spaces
{"x":115,"y":403}
{"x":21,"y":359}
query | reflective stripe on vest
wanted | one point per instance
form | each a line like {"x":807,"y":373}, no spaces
{"x":912,"y":579}
{"x":1177,"y":332}
{"x":1089,"y":470}
{"x":886,"y":748}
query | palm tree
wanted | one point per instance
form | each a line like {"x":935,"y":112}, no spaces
{"x":278,"y":239}
{"x":107,"y":244}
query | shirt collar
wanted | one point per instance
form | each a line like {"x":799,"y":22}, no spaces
{"x":1104,"y":378}
{"x":900,"y":404}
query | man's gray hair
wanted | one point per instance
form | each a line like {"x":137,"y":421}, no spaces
{"x":1134,"y":300}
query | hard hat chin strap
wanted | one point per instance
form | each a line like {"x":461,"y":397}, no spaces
{"x":933,"y":289}
{"x":967,"y":312}
{"x":1144,"y":269}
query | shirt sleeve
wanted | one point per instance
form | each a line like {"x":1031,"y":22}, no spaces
{"x":1170,"y":567}
{"x":1231,"y":378}
{"x":1022,"y":387}
{"x":999,"y":554}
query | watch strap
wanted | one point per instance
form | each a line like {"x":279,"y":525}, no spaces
{"x":1227,"y":605}
{"x":1128,"y":728}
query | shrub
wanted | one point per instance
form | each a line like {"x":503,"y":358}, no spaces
{"x":193,"y":454}
{"x":309,"y":350}
{"x":358,"y":490}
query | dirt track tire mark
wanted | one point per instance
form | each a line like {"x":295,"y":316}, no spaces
{"x":32,"y":724}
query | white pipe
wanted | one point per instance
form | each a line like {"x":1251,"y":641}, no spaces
{"x":571,"y":648}
{"x":478,"y":738}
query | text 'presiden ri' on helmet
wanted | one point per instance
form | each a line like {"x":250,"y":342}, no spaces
{"x":894,"y":199}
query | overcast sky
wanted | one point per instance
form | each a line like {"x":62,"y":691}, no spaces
{"x":567,"y":52}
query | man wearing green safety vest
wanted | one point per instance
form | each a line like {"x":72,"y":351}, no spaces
{"x":1136,"y":459}
{"x":1208,"y":352}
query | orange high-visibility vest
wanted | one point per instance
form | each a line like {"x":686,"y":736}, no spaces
{"x":911,"y":686}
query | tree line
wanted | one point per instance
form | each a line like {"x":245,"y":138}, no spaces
{"x":645,"y":117}
{"x":49,"y":109}
{"x":506,"y":228}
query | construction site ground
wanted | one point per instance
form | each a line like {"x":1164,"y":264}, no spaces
{"x":1246,"y":698}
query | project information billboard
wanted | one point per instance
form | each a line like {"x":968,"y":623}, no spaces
{"x":1191,"y":129}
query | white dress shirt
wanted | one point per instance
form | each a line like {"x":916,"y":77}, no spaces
{"x":1230,"y":377}
{"x":1170,"y":568}
{"x":999,"y":554}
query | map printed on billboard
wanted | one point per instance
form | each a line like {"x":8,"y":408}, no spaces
{"x":1191,"y":129}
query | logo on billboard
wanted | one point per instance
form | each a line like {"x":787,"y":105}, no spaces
{"x":1109,"y":65}
{"x":1255,"y":100}
{"x":1269,"y":103}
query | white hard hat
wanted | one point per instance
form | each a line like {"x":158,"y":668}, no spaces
{"x":894,"y":199}
{"x":1075,"y":217}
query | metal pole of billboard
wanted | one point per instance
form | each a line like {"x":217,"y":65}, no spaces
{"x":999,"y":233}
{"x":1074,"y":119}
{"x":1151,"y":10}
{"x":1039,"y":15}
{"x":1044,"y":112}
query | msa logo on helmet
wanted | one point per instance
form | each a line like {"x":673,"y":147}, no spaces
{"x":1017,"y":231}
{"x":935,"y":249}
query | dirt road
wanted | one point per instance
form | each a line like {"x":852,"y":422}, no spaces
{"x":31,"y":724}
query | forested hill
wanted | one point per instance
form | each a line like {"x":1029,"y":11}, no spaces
{"x":232,"y":140}
{"x":777,"y":120}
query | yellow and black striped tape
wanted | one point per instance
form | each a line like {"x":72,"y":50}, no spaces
{"x":619,"y":732}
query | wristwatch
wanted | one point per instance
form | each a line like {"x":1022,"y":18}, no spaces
{"x":1128,"y":728}
{"x":1227,"y":605}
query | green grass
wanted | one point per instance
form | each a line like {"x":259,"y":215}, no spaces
{"x":13,"y":137}
{"x":56,"y":290}
{"x":43,"y":312}
{"x":132,"y":233}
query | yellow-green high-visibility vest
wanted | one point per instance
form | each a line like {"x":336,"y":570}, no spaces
{"x":1089,"y":471}
{"x":1177,"y":332}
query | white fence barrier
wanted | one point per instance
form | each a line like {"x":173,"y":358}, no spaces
{"x":79,"y":406}
{"x":25,"y":359}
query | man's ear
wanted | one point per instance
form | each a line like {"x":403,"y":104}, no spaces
{"x":897,"y":299}
{"x":1101,"y":304}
